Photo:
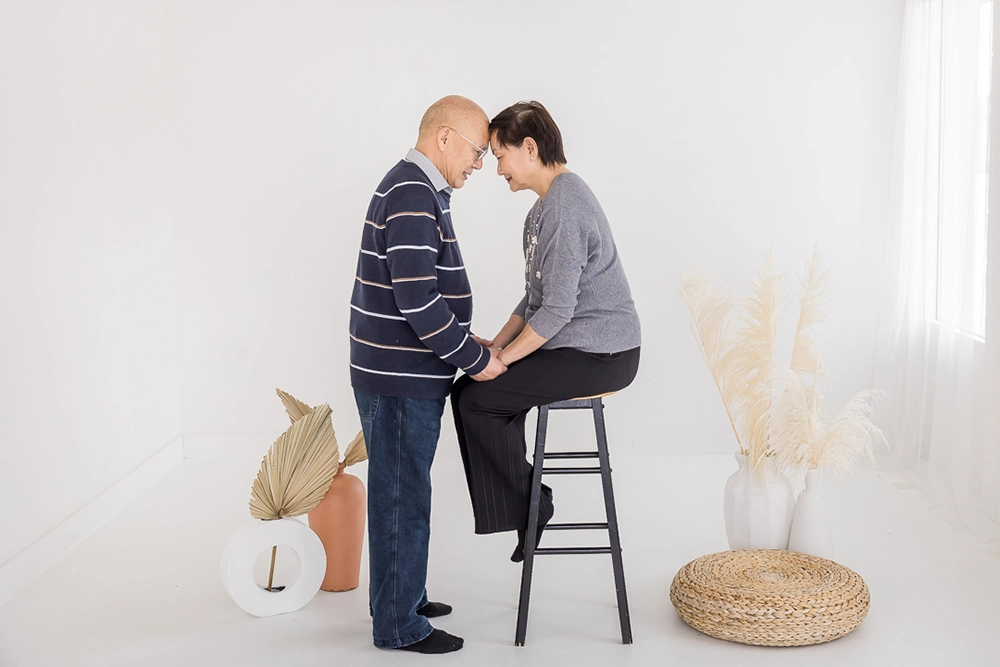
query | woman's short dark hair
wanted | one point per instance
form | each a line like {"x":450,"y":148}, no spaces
{"x":530,"y":119}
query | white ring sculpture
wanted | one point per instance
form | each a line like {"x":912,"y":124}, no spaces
{"x":249,"y":542}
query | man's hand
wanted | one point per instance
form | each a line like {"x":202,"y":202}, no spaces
{"x":493,"y":369}
{"x":482,"y":341}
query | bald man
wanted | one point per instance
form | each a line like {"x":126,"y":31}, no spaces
{"x":411,"y":314}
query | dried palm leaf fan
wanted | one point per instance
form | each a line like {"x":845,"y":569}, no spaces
{"x":298,"y":468}
{"x":296,"y":409}
{"x":296,"y":472}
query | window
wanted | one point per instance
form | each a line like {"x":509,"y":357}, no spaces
{"x":965,"y":75}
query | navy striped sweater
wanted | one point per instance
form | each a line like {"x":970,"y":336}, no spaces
{"x":412,"y":303}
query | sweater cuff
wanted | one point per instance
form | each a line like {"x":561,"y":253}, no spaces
{"x":522,"y":308}
{"x":479,"y":366}
{"x":546,"y":324}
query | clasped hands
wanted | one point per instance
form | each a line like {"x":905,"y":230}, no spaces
{"x":495,"y":368}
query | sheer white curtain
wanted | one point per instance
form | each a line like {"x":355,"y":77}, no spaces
{"x":938,"y":340}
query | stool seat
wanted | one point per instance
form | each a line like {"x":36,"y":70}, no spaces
{"x":596,"y":405}
{"x":769,"y":597}
{"x":581,"y":403}
{"x":588,"y":398}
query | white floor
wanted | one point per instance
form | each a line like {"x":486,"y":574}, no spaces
{"x":145,"y":589}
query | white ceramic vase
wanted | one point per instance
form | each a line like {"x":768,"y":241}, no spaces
{"x":758,"y":508}
{"x":810,"y":533}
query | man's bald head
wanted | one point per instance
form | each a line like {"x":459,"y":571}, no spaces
{"x":453,"y":111}
{"x":454,"y":133}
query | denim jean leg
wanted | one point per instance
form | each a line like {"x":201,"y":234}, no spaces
{"x":401,"y":436}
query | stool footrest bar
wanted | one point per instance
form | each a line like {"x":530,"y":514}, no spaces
{"x":576,"y":526}
{"x":571,"y":455}
{"x":570,"y":471}
{"x":571,"y":550}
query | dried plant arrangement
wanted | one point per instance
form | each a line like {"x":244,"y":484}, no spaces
{"x":300,"y":467}
{"x":777,"y":410}
{"x":800,"y":436}
{"x":737,"y":340}
{"x":297,"y":469}
{"x":296,"y":409}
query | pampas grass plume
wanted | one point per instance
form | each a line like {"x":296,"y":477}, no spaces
{"x":711,"y":307}
{"x":777,"y":411}
{"x":753,"y":357}
{"x":736,"y":338}
{"x":799,"y":436}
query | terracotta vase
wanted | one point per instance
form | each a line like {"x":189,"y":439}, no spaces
{"x":339,"y":520}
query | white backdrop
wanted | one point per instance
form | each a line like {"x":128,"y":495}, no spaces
{"x":89,"y":379}
{"x":183,"y":183}
{"x":707,"y":130}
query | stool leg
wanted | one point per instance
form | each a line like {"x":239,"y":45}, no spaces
{"x":609,"y":507}
{"x":531,"y":530}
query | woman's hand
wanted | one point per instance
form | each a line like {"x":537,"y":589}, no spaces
{"x":482,"y":341}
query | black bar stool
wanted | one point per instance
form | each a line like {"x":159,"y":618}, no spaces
{"x":595,"y":404}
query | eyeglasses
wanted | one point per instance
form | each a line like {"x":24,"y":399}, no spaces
{"x":481,"y":152}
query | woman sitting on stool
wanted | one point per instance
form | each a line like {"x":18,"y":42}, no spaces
{"x":575,"y":332}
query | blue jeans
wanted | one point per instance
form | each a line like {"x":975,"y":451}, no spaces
{"x":401,"y":435}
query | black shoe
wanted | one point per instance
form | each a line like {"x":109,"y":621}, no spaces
{"x":545,"y":512}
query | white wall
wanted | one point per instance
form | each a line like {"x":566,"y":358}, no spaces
{"x":182,"y":186}
{"x":88,"y":344}
{"x":708,"y":131}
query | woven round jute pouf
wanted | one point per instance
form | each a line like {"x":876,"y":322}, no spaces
{"x":769,"y":597}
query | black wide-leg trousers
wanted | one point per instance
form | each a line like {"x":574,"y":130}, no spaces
{"x":490,"y":418}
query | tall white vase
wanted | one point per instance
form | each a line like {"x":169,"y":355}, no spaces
{"x":810,"y":533}
{"x":758,"y":508}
